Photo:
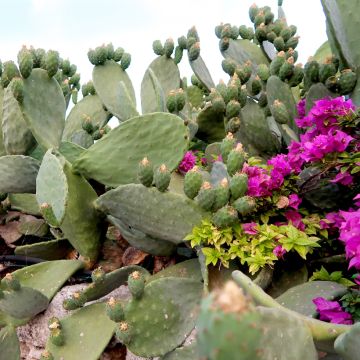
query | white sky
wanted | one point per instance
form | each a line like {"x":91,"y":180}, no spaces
{"x":73,"y":26}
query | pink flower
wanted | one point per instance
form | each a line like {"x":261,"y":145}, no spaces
{"x":250,"y":228}
{"x":301,"y":107}
{"x":295,"y":218}
{"x":331,"y":311}
{"x":294,"y":201}
{"x":357,"y":200}
{"x":279,"y":251}
{"x":188,"y":162}
{"x":343,"y":178}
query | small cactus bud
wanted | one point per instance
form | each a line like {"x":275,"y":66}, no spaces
{"x":52,"y":62}
{"x":98,"y":275}
{"x":158,"y":48}
{"x":17,"y":88}
{"x":57,"y":337}
{"x":125,"y":61}
{"x":11,"y":282}
{"x":162,"y":177}
{"x":123,"y":332}
{"x":136,"y":284}
{"x":26,"y":62}
{"x":238,"y":185}
{"x":182,"y":42}
{"x":280,"y":112}
{"x":236,"y":159}
{"x":194,"y":51}
{"x":115,"y":310}
{"x":206,"y":196}
{"x":169,"y":47}
{"x":145,"y":172}
{"x":118,"y":53}
{"x":244,"y":205}
{"x":192,"y":182}
{"x":224,"y":217}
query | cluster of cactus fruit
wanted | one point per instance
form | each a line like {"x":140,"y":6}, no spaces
{"x":53,"y":157}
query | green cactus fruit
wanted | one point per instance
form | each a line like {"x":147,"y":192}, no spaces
{"x":224,"y":217}
{"x":326,"y":70}
{"x":233,"y":125}
{"x":293,"y":30}
{"x":74,"y":96}
{"x":224,"y":44}
{"x":158,"y":48}
{"x":194,"y":51}
{"x":46,"y":355}
{"x":269,"y":17}
{"x":206,"y":196}
{"x":75,"y":79}
{"x":100,"y":55}
{"x":87,"y":125}
{"x":238,"y":185}
{"x":253,"y":11}
{"x":285,"y":33}
{"x":226,"y":31}
{"x":279,"y":43}
{"x":234,"y":32}
{"x":236,"y":159}
{"x":73,"y":69}
{"x":178,"y":54}
{"x":312,"y":70}
{"x":190,"y":42}
{"x":218,"y":30}
{"x":26,"y":62}
{"x":229,"y":66}
{"x":244,"y":72}
{"x":244,"y":205}
{"x":195,"y":81}
{"x":259,"y":19}
{"x":136,"y":284}
{"x":232,"y":109}
{"x":347,"y":81}
{"x":54,"y":323}
{"x":162,"y":177}
{"x":76,"y":301}
{"x":332,"y":83}
{"x":218,"y":104}
{"x":11,"y":282}
{"x":256,"y":85}
{"x":246,"y":33}
{"x":52,"y":61}
{"x":57,"y":337}
{"x":226,"y":146}
{"x":48,"y":214}
{"x":169,"y":47}
{"x":222,"y":195}
{"x":242,"y":98}
{"x":65,"y":66}
{"x":110,"y":51}
{"x":115,"y":310}
{"x":10,"y":71}
{"x":180,"y":99}
{"x":232,"y":91}
{"x":118,"y":53}
{"x":91,"y":56}
{"x":277,"y":62}
{"x":280,"y":112}
{"x":262,"y":101}
{"x":192,"y":182}
{"x":98,"y":275}
{"x":123,"y":332}
{"x":192,"y":32}
{"x":271,"y":36}
{"x":97,"y":134}
{"x":261,"y":33}
{"x":292,"y":43}
{"x":38,"y":57}
{"x":287,"y":69}
{"x":146,"y":172}
{"x":182,"y":42}
{"x":297,"y":76}
{"x":171,"y":101}
{"x":125,"y":61}
{"x":221,"y":89}
{"x":263,"y":72}
{"x":17,"y":88}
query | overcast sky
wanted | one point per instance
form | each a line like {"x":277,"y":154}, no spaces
{"x":73,"y":26}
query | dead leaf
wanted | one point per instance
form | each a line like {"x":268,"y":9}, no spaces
{"x":133,"y":256}
{"x":162,"y":262}
{"x":10,"y":233}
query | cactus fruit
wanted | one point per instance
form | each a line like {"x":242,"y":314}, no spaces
{"x":233,"y":125}
{"x":46,"y":355}
{"x":115,"y":310}
{"x":169,"y":47}
{"x":10,"y":71}
{"x":227,"y":145}
{"x":162,"y":177}
{"x":246,"y":32}
{"x":244,"y":205}
{"x":98,"y":275}
{"x":146,"y":172}
{"x":236,"y":159}
{"x":136,"y":284}
{"x":280,"y":112}
{"x":171,"y":101}
{"x":178,"y":54}
{"x":11,"y":282}
{"x":238,"y":185}
{"x":76,"y":301}
{"x":206,"y":196}
{"x":25,"y":61}
{"x":277,"y":63}
{"x":123,"y":332}
{"x":57,"y":337}
{"x":224,"y":217}
{"x":346,"y":81}
{"x":312,"y":70}
{"x":182,"y":42}
{"x":158,"y":48}
{"x":125,"y":61}
{"x":52,"y":62}
{"x":222,"y":194}
{"x":192,"y":182}
{"x":194,"y":51}
{"x":232,"y":109}
{"x":118,"y":53}
{"x":263,"y":72}
{"x":17,"y":88}
{"x":286,"y":69}
{"x":255,"y":85}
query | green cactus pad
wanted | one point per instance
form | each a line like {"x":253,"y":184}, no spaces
{"x":162,"y":138}
{"x":70,"y":197}
{"x":35,"y":227}
{"x":90,"y":108}
{"x":44,"y":108}
{"x":355,"y":96}
{"x":243,"y":50}
{"x":9,"y":344}
{"x":2,"y":148}
{"x":49,"y":276}
{"x":347,"y":344}
{"x":316,"y":92}
{"x":47,"y":250}
{"x":201,"y":71}
{"x":82,"y":138}
{"x":106,"y":80}
{"x":141,"y":208}
{"x":22,"y":168}
{"x":164,"y":316}
{"x":23,"y":303}
{"x":211,"y":125}
{"x":160,"y":78}
{"x":70,"y":151}
{"x":17,"y":138}
{"x":299,"y":298}
{"x":86,"y":334}
{"x":143,"y":241}
{"x":24,"y":202}
{"x":111,"y":281}
{"x":183,"y":353}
